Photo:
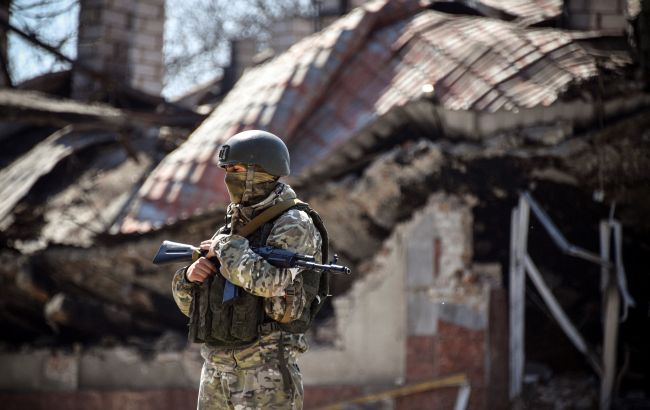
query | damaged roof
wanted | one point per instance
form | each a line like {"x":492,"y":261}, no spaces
{"x":330,"y":86}
{"x":76,"y":183}
{"x":18,"y":178}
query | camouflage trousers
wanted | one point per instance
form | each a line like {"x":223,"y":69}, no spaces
{"x":254,"y":377}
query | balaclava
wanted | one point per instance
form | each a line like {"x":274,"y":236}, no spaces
{"x":250,"y":187}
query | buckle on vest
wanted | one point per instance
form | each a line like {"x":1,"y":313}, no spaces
{"x":268,"y":328}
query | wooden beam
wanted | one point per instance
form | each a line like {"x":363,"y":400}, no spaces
{"x":611,"y":309}
{"x":36,"y":108}
{"x":456,"y":380}
{"x":518,"y":245}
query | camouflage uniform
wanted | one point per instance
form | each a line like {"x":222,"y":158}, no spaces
{"x":251,"y":377}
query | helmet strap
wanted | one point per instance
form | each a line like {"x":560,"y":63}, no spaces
{"x":248,"y":192}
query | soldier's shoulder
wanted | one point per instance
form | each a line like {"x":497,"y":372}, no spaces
{"x":294,"y":216}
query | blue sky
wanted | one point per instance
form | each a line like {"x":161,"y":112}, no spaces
{"x":25,"y":60}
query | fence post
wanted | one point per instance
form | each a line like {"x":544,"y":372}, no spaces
{"x":611,"y":309}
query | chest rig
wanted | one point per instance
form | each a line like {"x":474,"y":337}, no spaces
{"x":240,"y":321}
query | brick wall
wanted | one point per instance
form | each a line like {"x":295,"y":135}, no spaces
{"x":452,"y":350}
{"x":122,"y":39}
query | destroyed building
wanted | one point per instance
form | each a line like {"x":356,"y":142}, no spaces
{"x":414,"y":127}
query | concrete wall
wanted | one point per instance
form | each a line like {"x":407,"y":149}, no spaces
{"x":123,"y":40}
{"x":118,"y":368}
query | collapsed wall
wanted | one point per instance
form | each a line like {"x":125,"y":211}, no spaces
{"x":421,"y":311}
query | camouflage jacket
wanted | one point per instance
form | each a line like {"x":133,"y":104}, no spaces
{"x":293,"y":230}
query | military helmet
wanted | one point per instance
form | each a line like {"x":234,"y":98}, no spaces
{"x":256,"y":147}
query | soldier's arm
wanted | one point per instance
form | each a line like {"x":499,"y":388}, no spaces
{"x":182,"y":291}
{"x":293,"y":231}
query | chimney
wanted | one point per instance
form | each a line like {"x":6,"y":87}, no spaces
{"x":122,"y":39}
{"x":605,"y":15}
{"x":330,"y":10}
{"x":287,"y":32}
{"x":242,"y":56}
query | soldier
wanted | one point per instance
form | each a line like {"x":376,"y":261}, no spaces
{"x":251,"y":341}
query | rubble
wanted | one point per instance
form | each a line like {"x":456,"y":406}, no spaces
{"x":415,"y":173}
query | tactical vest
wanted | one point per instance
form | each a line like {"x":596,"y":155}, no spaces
{"x":241,"y":321}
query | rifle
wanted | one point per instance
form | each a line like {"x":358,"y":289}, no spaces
{"x":280,"y":258}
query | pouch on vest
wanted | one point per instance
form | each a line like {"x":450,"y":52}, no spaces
{"x":315,"y":284}
{"x":237,"y":323}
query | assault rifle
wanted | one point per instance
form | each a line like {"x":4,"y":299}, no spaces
{"x":280,"y":258}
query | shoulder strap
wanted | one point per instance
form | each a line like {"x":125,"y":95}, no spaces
{"x":267,"y":215}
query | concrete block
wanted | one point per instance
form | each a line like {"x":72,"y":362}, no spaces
{"x":597,"y":21}
{"x":147,"y":41}
{"x":88,"y":4}
{"x":149,"y":10}
{"x":462,"y":315}
{"x":39,"y":370}
{"x":61,"y":371}
{"x":124,"y":368}
{"x":613,"y":22}
{"x":607,"y":6}
{"x":596,"y":6}
{"x":114,"y":18}
{"x":419,"y":262}
{"x":422,"y":314}
{"x":145,"y":70}
{"x":156,"y":27}
{"x":90,"y":16}
{"x":583,"y":21}
{"x":153,"y":57}
{"x":156,"y":3}
{"x":114,"y":34}
{"x":88,"y":32}
{"x":122,"y":5}
{"x":576,"y":5}
{"x":153,"y":87}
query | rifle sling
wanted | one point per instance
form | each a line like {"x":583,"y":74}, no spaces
{"x":266,"y":216}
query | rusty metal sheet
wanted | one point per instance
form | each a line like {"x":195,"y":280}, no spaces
{"x":330,"y":86}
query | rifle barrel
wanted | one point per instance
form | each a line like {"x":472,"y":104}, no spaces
{"x":331,"y":268}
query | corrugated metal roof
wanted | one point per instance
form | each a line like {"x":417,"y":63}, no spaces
{"x":331,"y":85}
{"x":19,"y":177}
